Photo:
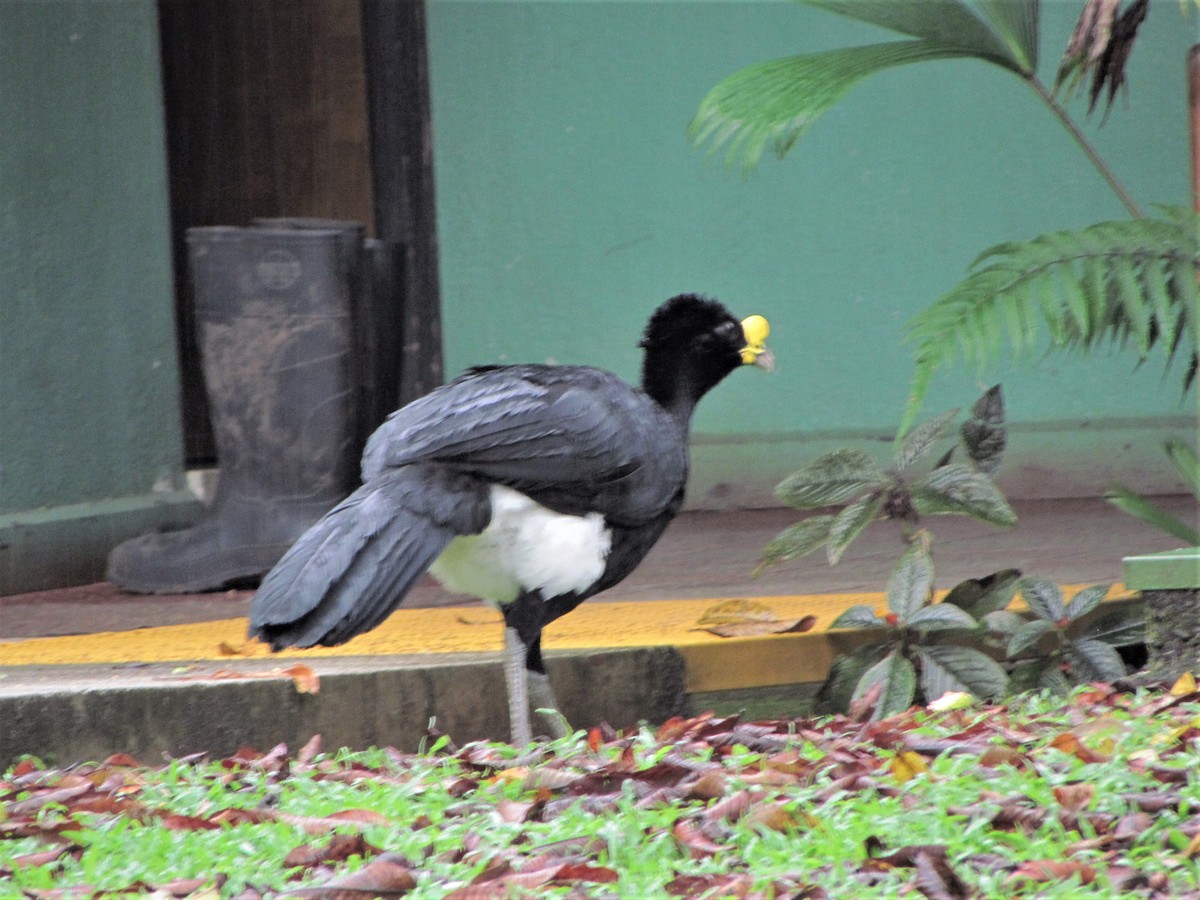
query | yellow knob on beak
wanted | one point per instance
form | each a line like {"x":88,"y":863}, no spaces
{"x":755,"y":353}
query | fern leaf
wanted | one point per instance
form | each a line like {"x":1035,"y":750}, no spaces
{"x":1108,"y":283}
{"x":1166,"y":320}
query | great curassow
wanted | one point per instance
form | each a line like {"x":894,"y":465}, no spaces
{"x":532,"y":487}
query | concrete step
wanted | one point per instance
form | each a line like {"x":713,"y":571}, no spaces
{"x":180,"y":689}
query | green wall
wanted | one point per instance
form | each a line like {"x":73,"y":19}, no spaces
{"x":570,"y":203}
{"x":89,"y":420}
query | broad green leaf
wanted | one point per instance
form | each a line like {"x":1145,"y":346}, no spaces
{"x":911,"y":583}
{"x":1044,"y":599}
{"x":1119,"y":628}
{"x":1096,"y":661}
{"x":918,"y":441}
{"x":831,"y":479}
{"x":949,"y":23}
{"x":1051,"y":678}
{"x":1027,"y":636}
{"x":850,"y":522}
{"x":1184,"y":458}
{"x":1086,"y":600}
{"x":980,"y":596}
{"x":1003,"y":622}
{"x":1140,"y":508}
{"x":795,"y":541}
{"x":958,"y":488}
{"x":858,"y":616}
{"x":1026,"y":675}
{"x":899,"y":680}
{"x":773,"y":103}
{"x":983,"y":434}
{"x":950,"y":668}
{"x":942,"y":617}
{"x":845,"y":674}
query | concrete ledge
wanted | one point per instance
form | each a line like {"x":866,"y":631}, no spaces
{"x":1171,"y":570}
{"x":68,"y":545}
{"x":71,"y":713}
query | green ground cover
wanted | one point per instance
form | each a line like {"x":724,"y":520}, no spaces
{"x":1088,"y":796}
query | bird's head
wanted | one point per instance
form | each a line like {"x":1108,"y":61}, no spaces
{"x":691,"y":343}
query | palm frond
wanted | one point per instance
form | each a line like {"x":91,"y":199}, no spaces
{"x":1001,"y":31}
{"x":1016,"y":22}
{"x":774,"y":103}
{"x":1131,"y":283}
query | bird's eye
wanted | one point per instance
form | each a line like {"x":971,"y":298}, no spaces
{"x":727,"y":330}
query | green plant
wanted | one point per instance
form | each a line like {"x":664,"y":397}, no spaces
{"x":852,"y":476}
{"x":1186,"y":463}
{"x":1057,"y":647}
{"x":911,"y":660}
{"x":1127,"y":282}
{"x":1112,"y":281}
{"x":926,"y":649}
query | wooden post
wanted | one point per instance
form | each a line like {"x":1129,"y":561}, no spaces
{"x":402,"y":165}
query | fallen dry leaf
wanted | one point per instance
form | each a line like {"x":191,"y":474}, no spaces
{"x":480,"y":617}
{"x":1184,"y":685}
{"x":306,"y":680}
{"x":1053,"y":870}
{"x":732,"y":612}
{"x":1075,"y":797}
{"x":762,"y":629}
{"x":384,"y":878}
{"x":748,"y":618}
{"x":907,"y":765}
{"x":338,"y":848}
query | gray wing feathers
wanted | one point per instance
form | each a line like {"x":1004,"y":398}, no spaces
{"x":573,"y":438}
{"x":351,"y":569}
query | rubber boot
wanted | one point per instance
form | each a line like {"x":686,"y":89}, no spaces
{"x":375,"y":312}
{"x":274,"y":310}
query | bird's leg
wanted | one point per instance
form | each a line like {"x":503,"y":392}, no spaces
{"x":516,"y":680}
{"x":524,"y":672}
{"x":541,"y":694}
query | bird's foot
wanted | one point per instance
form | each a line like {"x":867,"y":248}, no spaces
{"x":541,"y":698}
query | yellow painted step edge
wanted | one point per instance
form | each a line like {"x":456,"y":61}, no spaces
{"x":713,"y":663}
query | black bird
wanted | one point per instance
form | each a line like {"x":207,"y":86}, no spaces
{"x":532,"y":487}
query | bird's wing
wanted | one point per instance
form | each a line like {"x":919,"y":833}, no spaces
{"x":354,"y":566}
{"x":574,"y":438}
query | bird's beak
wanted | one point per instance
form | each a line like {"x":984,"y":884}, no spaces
{"x":755,"y":353}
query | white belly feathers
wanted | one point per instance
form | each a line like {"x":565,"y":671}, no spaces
{"x":525,"y":547}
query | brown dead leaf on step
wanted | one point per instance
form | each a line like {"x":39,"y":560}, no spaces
{"x":248,"y":647}
{"x":748,"y":618}
{"x":480,"y":617}
{"x":306,"y":680}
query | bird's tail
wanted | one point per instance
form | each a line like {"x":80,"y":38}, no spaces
{"x":353,"y":567}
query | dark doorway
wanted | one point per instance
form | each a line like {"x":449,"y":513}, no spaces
{"x":295,"y":108}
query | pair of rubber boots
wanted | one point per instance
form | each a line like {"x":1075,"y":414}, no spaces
{"x":295,"y":320}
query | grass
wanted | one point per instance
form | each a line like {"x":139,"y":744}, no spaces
{"x":1088,"y":796}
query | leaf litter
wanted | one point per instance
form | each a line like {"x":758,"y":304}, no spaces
{"x":1089,"y":796}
